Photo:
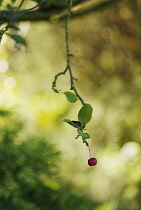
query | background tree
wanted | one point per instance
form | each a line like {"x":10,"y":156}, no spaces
{"x":29,"y":174}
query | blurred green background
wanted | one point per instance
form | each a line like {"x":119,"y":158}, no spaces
{"x":42,"y":166}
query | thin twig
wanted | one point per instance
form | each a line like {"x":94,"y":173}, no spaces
{"x":20,"y":5}
{"x":68,"y":54}
{"x":68,"y":68}
{"x":67,"y":34}
{"x":72,"y":78}
{"x":87,"y":144}
{"x":55,"y":80}
{"x":27,"y":10}
{"x":90,"y":151}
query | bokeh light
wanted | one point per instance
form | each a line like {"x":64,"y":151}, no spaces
{"x":3,"y":66}
{"x":9,"y":82}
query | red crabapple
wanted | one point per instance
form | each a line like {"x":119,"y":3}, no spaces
{"x":92,"y":161}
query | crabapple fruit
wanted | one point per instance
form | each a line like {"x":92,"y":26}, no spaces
{"x":92,"y":161}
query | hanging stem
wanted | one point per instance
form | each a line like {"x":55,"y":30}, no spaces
{"x":90,"y":151}
{"x":68,"y":66}
{"x":84,"y":141}
{"x":68,"y":54}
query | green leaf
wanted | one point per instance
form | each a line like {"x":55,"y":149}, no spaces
{"x":71,"y":97}
{"x":18,"y":39}
{"x":75,"y":124}
{"x":70,"y":122}
{"x":84,"y":135}
{"x":85,"y":114}
{"x":67,"y":120}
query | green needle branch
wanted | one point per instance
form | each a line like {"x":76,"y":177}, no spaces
{"x":69,"y":55}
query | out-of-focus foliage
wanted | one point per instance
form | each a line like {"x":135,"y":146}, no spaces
{"x":10,"y":11}
{"x":29,"y":175}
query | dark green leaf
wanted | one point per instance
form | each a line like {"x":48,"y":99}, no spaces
{"x":69,"y":122}
{"x":13,"y":27}
{"x":75,"y":124}
{"x":18,"y":39}
{"x":71,"y":97}
{"x":85,"y":114}
{"x":84,"y":135}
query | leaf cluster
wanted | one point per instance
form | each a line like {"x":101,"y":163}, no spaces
{"x":84,"y":116}
{"x":13,"y":33}
{"x":8,"y":24}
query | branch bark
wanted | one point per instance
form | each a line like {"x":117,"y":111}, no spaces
{"x":54,"y":13}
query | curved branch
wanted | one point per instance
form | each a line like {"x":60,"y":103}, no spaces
{"x":68,"y":67}
{"x":54,"y":12}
